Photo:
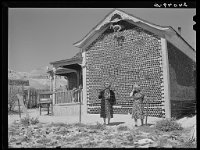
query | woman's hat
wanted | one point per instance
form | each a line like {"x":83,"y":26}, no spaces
{"x":107,"y":85}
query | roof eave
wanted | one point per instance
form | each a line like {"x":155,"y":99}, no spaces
{"x":66,"y":62}
{"x":182,"y":38}
{"x":79,"y":44}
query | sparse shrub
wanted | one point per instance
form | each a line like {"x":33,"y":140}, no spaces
{"x":26,"y":121}
{"x":122,"y":128}
{"x":12,"y":99}
{"x":188,"y":144}
{"x":34,"y":121}
{"x":168,"y":125}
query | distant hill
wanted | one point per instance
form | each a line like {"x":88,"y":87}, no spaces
{"x":38,"y":78}
{"x":39,"y":73}
{"x":17,"y":75}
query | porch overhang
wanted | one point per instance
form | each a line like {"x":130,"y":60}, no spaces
{"x":66,"y":62}
{"x":61,"y":71}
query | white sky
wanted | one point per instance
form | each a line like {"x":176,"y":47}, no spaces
{"x":37,"y":37}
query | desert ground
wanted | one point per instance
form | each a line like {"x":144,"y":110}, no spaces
{"x":66,"y":131}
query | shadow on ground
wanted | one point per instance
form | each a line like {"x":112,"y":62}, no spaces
{"x":115,"y":123}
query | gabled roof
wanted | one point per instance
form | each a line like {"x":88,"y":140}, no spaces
{"x":168,"y":32}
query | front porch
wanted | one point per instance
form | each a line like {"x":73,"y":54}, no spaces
{"x":67,"y":99}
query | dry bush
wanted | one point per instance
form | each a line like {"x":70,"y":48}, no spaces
{"x":27,"y":121}
{"x":188,"y":144}
{"x":168,"y":125}
{"x":34,"y":121}
{"x":122,"y":128}
{"x":12,"y":99}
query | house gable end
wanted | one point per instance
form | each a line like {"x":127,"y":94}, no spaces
{"x":114,"y":17}
{"x":125,"y":25}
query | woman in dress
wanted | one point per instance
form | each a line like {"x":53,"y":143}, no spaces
{"x":137,"y":110}
{"x":107,"y":97}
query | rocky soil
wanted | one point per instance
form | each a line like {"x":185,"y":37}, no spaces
{"x":54,"y":135}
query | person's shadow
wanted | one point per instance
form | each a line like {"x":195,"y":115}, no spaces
{"x":115,"y":123}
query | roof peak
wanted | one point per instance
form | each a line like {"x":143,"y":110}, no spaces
{"x":114,"y":16}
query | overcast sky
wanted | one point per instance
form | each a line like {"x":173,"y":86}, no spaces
{"x":37,"y":37}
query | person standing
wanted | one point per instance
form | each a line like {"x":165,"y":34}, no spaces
{"x":107,"y":97}
{"x":137,"y":109}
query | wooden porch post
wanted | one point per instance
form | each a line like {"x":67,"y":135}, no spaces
{"x":28,"y":99}
{"x":54,"y":85}
{"x":78,"y":94}
{"x":77,"y":74}
{"x":50,"y":78}
{"x":84,"y":89}
{"x":19,"y":109}
{"x":24,"y":100}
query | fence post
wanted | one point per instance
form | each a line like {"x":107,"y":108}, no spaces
{"x":28,"y":96}
{"x":19,"y":109}
{"x":147,"y":111}
{"x":63,"y":96}
{"x":31,"y":97}
{"x":37,"y":98}
{"x":34,"y":97}
{"x":79,"y":93}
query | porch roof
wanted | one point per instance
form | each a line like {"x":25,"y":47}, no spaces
{"x":77,"y":59}
{"x":60,"y":71}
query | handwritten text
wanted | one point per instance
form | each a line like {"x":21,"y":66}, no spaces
{"x":171,"y":5}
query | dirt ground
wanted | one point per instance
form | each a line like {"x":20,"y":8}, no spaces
{"x":87,"y":119}
{"x":66,"y":131}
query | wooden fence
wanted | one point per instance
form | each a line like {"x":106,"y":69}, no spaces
{"x":31,"y":97}
{"x":62,"y":96}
